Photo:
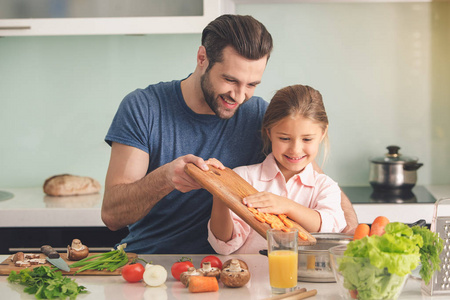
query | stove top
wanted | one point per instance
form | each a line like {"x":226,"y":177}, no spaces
{"x":366,"y":195}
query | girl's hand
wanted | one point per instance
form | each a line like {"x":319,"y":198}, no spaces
{"x":268,"y":203}
{"x":215,"y":163}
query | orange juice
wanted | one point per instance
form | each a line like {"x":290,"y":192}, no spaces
{"x":283,"y":268}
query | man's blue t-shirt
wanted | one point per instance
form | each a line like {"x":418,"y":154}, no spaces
{"x":158,"y":121}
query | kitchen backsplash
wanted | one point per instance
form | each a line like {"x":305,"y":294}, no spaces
{"x":382,"y":68}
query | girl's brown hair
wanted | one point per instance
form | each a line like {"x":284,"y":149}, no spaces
{"x":291,"y":101}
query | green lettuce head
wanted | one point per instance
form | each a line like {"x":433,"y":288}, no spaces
{"x":375,"y":266}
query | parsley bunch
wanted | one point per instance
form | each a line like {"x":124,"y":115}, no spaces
{"x":46,"y":283}
{"x":429,"y":252}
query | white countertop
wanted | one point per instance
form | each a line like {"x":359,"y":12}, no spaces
{"x":115,"y":287}
{"x":30,"y":207}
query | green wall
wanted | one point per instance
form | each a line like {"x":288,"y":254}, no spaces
{"x":383,"y":69}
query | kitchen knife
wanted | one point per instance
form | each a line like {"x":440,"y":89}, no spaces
{"x":54,"y":258}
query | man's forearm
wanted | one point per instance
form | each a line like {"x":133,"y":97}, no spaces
{"x":347,"y":207}
{"x":124,"y":204}
{"x":349,"y":213}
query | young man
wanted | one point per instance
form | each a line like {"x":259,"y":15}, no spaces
{"x":157,"y":130}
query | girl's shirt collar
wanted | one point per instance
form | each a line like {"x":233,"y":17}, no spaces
{"x":270,"y":170}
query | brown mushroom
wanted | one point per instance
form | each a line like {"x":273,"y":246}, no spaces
{"x":77,"y":251}
{"x":19,"y":256}
{"x":233,"y":274}
{"x":242,"y":263}
{"x":184,"y":277}
{"x":209,"y":271}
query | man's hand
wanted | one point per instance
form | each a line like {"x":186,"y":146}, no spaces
{"x":179,"y":179}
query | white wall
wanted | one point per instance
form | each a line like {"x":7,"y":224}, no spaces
{"x":383,"y":69}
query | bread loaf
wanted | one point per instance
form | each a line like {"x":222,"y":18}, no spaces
{"x":69,"y":185}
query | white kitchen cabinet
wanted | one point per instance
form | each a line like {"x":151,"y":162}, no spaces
{"x":99,"y":17}
{"x":329,"y":1}
{"x":136,"y":17}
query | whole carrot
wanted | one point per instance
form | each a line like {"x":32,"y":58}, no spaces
{"x":201,"y":284}
{"x":361,"y":231}
{"x":354,"y":294}
{"x":378,"y":225}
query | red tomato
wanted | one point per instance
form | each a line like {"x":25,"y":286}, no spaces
{"x":133,"y":272}
{"x":181,"y":266}
{"x":214,"y":260}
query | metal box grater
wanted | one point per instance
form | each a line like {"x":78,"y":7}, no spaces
{"x":440,"y":282}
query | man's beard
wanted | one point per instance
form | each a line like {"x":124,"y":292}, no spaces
{"x":213,"y":101}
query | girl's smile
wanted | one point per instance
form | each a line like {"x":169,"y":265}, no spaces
{"x":294,"y":159}
{"x":295,"y":143}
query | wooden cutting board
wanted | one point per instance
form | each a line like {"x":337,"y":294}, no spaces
{"x":231,"y":188}
{"x":7,"y":266}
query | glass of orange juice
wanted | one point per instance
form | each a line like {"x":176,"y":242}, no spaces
{"x":283,"y":260}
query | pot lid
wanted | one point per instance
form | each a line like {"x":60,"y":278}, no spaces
{"x":394,"y":157}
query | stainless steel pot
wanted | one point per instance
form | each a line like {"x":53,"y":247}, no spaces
{"x":393,"y":171}
{"x":314,"y":261}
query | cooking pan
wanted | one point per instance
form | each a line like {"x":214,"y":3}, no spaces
{"x":314,"y":261}
{"x":393,"y":171}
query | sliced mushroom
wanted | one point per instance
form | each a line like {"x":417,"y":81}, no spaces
{"x":20,"y":263}
{"x":233,"y":274}
{"x":209,"y":271}
{"x":77,"y":251}
{"x":37,"y":261}
{"x":184,"y":277}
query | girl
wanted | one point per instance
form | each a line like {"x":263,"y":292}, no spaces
{"x":294,"y":126}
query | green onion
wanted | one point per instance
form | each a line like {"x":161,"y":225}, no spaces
{"x":103,"y":261}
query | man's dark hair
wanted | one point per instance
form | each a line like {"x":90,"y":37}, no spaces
{"x":245,"y":34}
